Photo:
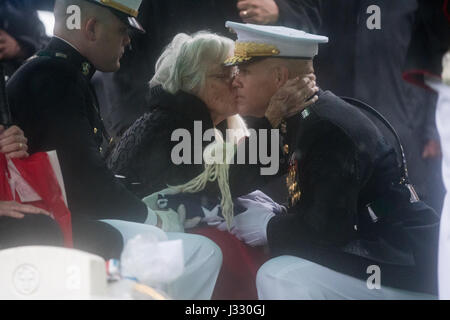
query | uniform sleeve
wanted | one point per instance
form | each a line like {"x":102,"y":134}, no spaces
{"x":61,"y":123}
{"x":327,"y":207}
{"x":300,"y":14}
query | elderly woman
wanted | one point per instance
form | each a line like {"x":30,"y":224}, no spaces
{"x":191,"y":90}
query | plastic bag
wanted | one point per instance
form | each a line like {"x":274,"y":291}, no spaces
{"x":152,"y":262}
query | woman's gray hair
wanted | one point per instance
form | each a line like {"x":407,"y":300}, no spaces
{"x":184,"y":62}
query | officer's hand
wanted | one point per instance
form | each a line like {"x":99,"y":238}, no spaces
{"x":9,"y":47}
{"x":13,"y":142}
{"x":432,"y":150}
{"x":258,"y":11}
{"x":251,"y":225}
{"x":18,"y":211}
{"x":291,"y":99}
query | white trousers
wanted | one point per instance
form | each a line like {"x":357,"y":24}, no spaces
{"x":202,"y":261}
{"x":292,"y":278}
{"x":443,"y":125}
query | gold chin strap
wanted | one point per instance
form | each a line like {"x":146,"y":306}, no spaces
{"x":244,"y":51}
{"x":118,"y":6}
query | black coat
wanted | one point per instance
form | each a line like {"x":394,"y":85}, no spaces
{"x":19,"y":19}
{"x":143,"y":154}
{"x":430,"y":41}
{"x":125,"y":96}
{"x":53,"y":102}
{"x":344,"y":165}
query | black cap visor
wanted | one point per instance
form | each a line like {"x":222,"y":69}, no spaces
{"x":131,"y":22}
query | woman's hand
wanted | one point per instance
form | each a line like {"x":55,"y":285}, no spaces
{"x":291,"y":99}
{"x":13,"y":142}
{"x":18,"y":211}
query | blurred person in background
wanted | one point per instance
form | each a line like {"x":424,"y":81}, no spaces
{"x":21,"y":33}
{"x":370,"y":69}
{"x":428,"y":66}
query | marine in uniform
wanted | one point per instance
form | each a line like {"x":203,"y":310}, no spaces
{"x":52,"y":100}
{"x":351,"y":204}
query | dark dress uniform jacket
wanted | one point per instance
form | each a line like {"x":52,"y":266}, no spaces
{"x":52,"y":101}
{"x":345,"y":166}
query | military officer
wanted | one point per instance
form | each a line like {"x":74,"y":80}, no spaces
{"x":351,"y":206}
{"x":53,"y":101}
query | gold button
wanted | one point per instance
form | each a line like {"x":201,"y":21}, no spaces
{"x":95,"y":130}
{"x":286,"y":149}
{"x":100,"y":149}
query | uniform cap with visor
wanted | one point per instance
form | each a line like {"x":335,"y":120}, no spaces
{"x":126,"y":10}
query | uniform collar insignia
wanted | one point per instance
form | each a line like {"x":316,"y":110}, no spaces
{"x":85,"y":68}
{"x":59,"y":48}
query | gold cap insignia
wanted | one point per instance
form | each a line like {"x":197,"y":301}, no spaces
{"x":245,"y":51}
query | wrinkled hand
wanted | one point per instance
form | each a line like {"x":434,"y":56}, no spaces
{"x":13,"y":142}
{"x":16,"y":210}
{"x":168,"y":220}
{"x":258,"y":11}
{"x":251,"y":225}
{"x":432,"y":150}
{"x":9,"y":47}
{"x":162,"y":217}
{"x":291,"y":99}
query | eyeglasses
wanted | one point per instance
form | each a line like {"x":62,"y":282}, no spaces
{"x":224,"y":77}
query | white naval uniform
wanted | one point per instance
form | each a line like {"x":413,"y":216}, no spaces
{"x":292,"y":278}
{"x":202,"y":261}
{"x":442,"y":121}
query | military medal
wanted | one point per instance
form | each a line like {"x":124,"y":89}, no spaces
{"x":292,"y":182}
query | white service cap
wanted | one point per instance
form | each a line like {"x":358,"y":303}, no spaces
{"x":272,"y":41}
